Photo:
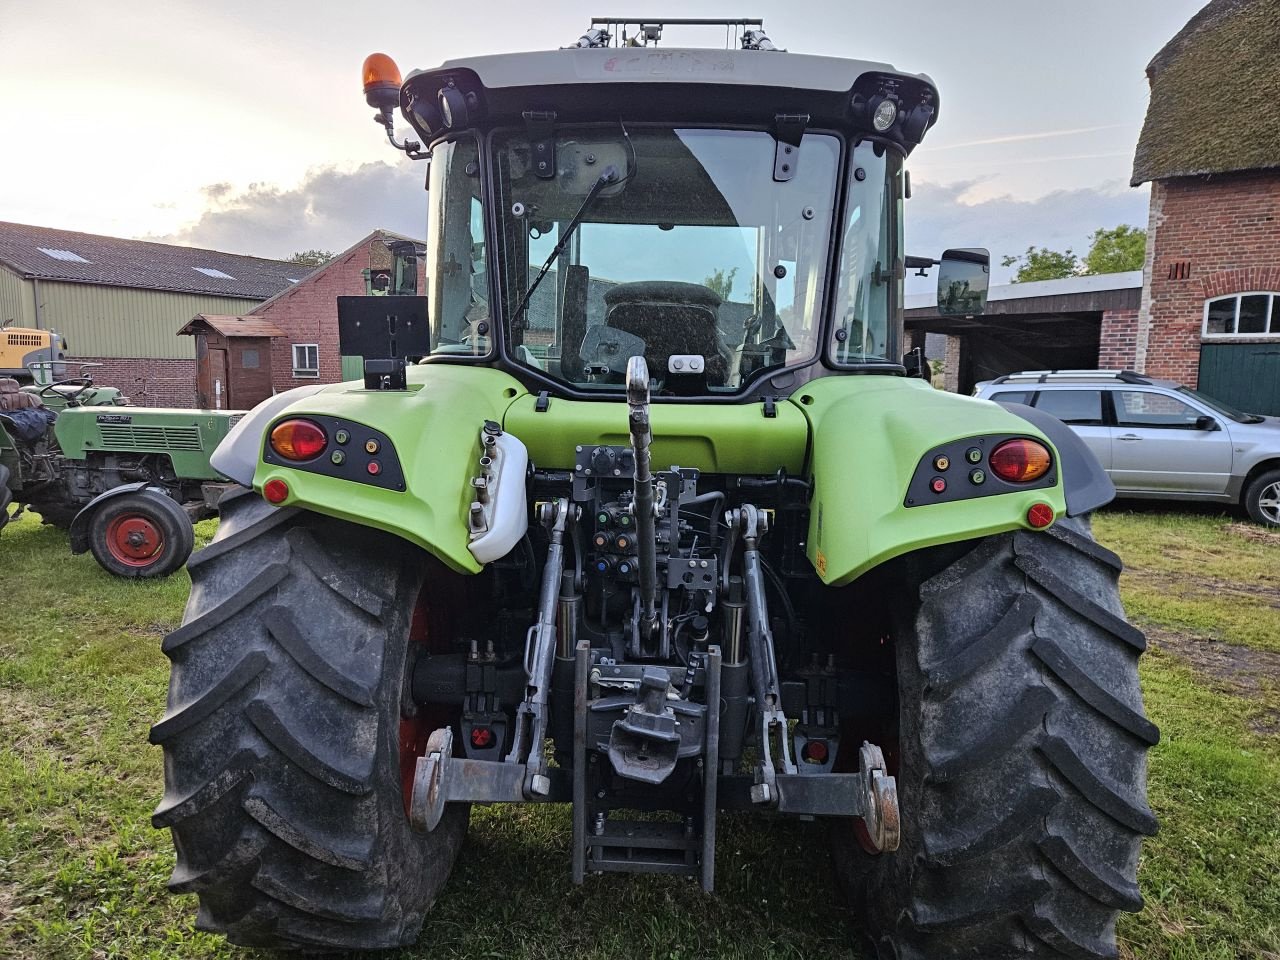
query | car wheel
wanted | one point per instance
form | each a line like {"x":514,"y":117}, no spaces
{"x":1262,"y":499}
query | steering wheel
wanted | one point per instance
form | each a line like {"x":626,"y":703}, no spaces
{"x":72,"y":400}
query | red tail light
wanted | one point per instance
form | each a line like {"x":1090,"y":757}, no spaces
{"x":298,"y":439}
{"x":1020,"y":461}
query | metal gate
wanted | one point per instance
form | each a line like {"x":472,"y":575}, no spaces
{"x":1245,"y":375}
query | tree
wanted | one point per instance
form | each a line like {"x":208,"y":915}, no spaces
{"x":721,"y":282}
{"x":1041,"y":263}
{"x":311,"y":258}
{"x":1116,"y":250}
{"x":1113,"y":250}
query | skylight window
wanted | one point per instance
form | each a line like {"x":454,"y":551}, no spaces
{"x":216,"y":274}
{"x":64,"y":255}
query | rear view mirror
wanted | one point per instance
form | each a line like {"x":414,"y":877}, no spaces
{"x":964,"y":276}
{"x":1206,"y":423}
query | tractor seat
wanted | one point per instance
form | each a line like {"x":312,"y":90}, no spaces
{"x":671,"y":318}
{"x":12,"y":396}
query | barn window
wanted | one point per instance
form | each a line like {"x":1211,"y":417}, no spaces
{"x":1243,"y":315}
{"x":306,"y":360}
{"x":249,"y":359}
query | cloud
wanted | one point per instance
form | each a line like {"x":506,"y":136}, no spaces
{"x":941,"y":216}
{"x":330,"y":210}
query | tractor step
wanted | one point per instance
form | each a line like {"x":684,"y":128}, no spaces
{"x":629,"y":846}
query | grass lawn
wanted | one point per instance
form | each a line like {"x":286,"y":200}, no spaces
{"x":82,"y":872}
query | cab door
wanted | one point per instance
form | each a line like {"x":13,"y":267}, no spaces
{"x":1160,"y":444}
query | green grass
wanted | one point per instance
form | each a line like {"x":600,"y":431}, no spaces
{"x":82,"y":872}
{"x":1212,"y":576}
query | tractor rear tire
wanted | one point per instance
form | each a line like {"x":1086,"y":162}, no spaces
{"x":1022,"y":758}
{"x":283,"y":766}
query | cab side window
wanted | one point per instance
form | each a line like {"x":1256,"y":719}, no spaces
{"x":1014,"y":396}
{"x":1079,"y":407}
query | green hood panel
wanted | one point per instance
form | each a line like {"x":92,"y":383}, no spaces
{"x":186,"y":436}
{"x":869,"y":434}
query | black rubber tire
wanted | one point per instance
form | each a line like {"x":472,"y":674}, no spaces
{"x":281,"y":739}
{"x":1253,"y":494}
{"x":178,"y":536}
{"x":1022,"y":764}
{"x":6,"y":496}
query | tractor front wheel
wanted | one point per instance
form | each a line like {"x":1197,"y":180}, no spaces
{"x":1021,"y":758}
{"x":289,"y":731}
{"x":140,"y":535}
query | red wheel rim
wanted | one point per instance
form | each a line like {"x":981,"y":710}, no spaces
{"x":132,"y":539}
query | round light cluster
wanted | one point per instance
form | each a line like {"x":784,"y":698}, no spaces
{"x":885,"y":113}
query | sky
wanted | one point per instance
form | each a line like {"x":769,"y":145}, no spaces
{"x":240,"y":125}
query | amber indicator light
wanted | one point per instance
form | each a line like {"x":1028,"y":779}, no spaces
{"x":379,"y":72}
{"x":298,"y":439}
{"x":1020,"y":461}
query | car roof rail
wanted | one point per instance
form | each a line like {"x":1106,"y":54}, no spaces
{"x":1047,"y":376}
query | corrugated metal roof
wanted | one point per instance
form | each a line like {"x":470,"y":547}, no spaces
{"x":74,"y":257}
{"x":230,"y":326}
{"x":1092,"y":283}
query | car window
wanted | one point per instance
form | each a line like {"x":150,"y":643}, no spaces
{"x":1013,"y":396}
{"x":1139,"y":408}
{"x":1081,"y":407}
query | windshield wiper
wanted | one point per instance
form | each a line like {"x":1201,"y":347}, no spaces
{"x":609,"y":176}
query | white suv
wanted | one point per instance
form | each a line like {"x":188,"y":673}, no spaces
{"x":1156,"y":438}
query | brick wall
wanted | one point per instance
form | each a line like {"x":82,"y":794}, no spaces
{"x":308,"y":313}
{"x":1209,"y":237}
{"x":147,"y":382}
{"x":1118,"y":340}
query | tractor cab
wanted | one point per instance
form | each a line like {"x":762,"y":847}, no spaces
{"x":732,"y":215}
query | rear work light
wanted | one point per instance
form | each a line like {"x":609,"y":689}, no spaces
{"x":1020,"y":461}
{"x":298,"y":439}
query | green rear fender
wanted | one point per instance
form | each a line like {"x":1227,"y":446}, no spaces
{"x":434,"y":428}
{"x":859,"y":438}
{"x":869,"y":435}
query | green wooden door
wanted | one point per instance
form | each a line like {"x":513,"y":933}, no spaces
{"x":1245,"y":375}
{"x":352,"y":368}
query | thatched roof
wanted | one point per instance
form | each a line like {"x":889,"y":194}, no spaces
{"x":1215,"y":95}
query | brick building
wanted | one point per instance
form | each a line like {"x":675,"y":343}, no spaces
{"x":1210,"y":147}
{"x":307,"y":313}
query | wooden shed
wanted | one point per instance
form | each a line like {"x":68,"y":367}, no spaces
{"x":233,"y":360}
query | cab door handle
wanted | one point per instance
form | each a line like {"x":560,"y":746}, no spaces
{"x":1128,"y":436}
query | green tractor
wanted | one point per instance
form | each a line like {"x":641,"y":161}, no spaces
{"x":662,"y":526}
{"x":128,"y":482}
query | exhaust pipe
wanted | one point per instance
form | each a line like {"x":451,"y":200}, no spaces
{"x":646,"y":537}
